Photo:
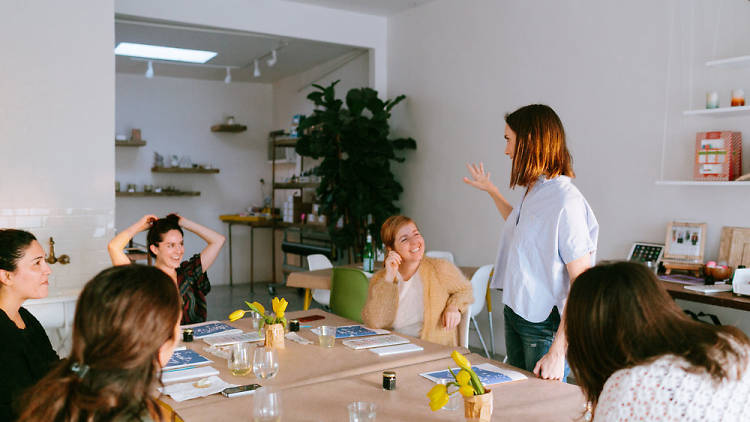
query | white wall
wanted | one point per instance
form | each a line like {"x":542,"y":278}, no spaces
{"x":175,"y":116}
{"x":616,"y":74}
{"x":278,"y":18}
{"x":56,"y":128}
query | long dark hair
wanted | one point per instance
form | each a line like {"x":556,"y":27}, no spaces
{"x":161,"y":226}
{"x":124,"y":315}
{"x":540,"y":145}
{"x":13,"y":245}
{"x":618,"y":315}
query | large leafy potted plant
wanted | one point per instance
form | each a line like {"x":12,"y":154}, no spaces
{"x":352,"y":139}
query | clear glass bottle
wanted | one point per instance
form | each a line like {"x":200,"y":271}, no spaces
{"x":368,"y":256}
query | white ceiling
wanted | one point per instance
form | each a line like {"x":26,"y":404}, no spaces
{"x":368,"y":7}
{"x":234,"y":48}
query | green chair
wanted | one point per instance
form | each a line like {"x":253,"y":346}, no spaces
{"x":348,"y":293}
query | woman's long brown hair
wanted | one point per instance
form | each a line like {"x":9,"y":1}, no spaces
{"x":540,"y":145}
{"x":618,"y":315}
{"x":124,"y":315}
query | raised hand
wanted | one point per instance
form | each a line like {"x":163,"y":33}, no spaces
{"x":479,"y":178}
{"x":392,"y":262}
{"x":145,"y":222}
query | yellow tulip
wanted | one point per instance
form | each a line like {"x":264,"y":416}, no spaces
{"x":279,"y":306}
{"x":234,"y":316}
{"x":463,"y":378}
{"x":466,"y":390}
{"x":438,"y":396}
{"x":257,"y":307}
{"x":461,"y":360}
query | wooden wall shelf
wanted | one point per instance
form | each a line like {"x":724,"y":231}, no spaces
{"x":285,"y":142}
{"x":149,"y":194}
{"x":182,"y":170}
{"x":228,"y":128}
{"x":130,"y":143}
{"x":296,"y":185}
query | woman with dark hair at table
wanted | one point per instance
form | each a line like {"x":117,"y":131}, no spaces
{"x":26,"y":354}
{"x":165,"y":243}
{"x":125,"y":329}
{"x":415,"y":295}
{"x":638,"y":357}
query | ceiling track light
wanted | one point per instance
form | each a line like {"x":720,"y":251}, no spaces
{"x":256,"y":70}
{"x":272,"y":60}
{"x":150,"y":70}
{"x":228,"y":78}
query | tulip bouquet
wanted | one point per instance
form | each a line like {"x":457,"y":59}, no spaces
{"x":278,"y":305}
{"x":467,"y":383}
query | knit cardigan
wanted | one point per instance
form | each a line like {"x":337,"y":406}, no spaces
{"x":443,"y":285}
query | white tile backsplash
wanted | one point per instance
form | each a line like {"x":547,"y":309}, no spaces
{"x":81,"y":233}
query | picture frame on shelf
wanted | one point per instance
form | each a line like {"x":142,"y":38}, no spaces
{"x":685,"y":241}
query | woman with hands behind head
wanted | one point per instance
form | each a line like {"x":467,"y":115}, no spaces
{"x":415,"y":295}
{"x":165,"y":243}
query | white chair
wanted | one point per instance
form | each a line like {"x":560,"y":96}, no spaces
{"x":448,"y":256}
{"x":479,"y":282}
{"x":320,"y":262}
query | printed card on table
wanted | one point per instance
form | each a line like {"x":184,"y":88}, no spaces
{"x":488,"y":374}
{"x":211,"y":328}
{"x":184,"y":358}
{"x":349,"y":331}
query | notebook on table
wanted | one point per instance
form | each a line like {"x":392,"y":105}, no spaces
{"x":188,"y":373}
{"x":211,"y":328}
{"x":710,"y":288}
{"x":223,"y":340}
{"x":374,"y":341}
{"x":488,"y":374}
{"x":348,"y":331}
{"x":394,"y":350}
{"x":183,"y":358}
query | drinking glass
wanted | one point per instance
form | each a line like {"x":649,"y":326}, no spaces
{"x":239,"y":359}
{"x":265,"y":363}
{"x":327,"y":336}
{"x":361,"y":411}
{"x":266,"y":405}
{"x":255,"y":318}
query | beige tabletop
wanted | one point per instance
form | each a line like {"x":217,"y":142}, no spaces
{"x":308,"y":364}
{"x":321,"y":279}
{"x":530,"y":400}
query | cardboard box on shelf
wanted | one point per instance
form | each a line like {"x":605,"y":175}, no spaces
{"x":718,"y":156}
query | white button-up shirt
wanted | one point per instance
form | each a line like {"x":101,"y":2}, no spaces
{"x":552,"y":226}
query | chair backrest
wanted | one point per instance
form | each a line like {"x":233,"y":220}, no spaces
{"x":318,"y":262}
{"x":348,"y":293}
{"x":448,"y":256}
{"x":479,"y":282}
{"x":463,"y":330}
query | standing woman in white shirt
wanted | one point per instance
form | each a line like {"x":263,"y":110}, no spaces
{"x":549,"y":238}
{"x":638,"y":357}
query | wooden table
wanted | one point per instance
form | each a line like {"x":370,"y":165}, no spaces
{"x":321,"y":279}
{"x":726,"y":299}
{"x":253,"y":223}
{"x":308,"y":364}
{"x":529,"y":400}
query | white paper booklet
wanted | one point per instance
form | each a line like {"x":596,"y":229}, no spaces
{"x":374,"y":341}
{"x":394,"y":350}
{"x":488,"y":374}
{"x":188,"y":373}
{"x":187,"y":390}
{"x":223,"y":340}
{"x":348,"y":331}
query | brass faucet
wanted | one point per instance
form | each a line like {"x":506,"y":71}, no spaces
{"x":51,"y":259}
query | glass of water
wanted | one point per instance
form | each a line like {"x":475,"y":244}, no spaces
{"x":327,"y":336}
{"x":265,"y":363}
{"x":239,"y":361}
{"x":454,"y":402}
{"x":267,"y":405}
{"x":362,"y":411}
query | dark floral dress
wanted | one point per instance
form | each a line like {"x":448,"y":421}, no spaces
{"x":194,"y":286}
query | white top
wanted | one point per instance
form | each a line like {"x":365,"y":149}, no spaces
{"x":552,"y":226}
{"x":410,"y":311}
{"x":663,"y":391}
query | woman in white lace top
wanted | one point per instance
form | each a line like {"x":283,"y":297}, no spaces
{"x":638,"y":357}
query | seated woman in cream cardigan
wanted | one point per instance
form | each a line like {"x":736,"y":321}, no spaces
{"x":415,"y":295}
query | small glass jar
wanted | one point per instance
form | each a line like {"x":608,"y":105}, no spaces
{"x":293,"y":325}
{"x":187,"y":335}
{"x":389,"y":380}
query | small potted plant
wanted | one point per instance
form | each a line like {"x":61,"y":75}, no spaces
{"x":477,"y":399}
{"x":273,"y":324}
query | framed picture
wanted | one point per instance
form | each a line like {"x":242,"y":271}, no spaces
{"x":685,"y":241}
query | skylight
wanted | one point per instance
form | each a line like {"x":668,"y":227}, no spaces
{"x":163,"y":53}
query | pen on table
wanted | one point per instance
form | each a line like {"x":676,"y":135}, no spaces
{"x":305,"y":326}
{"x":180,"y":369}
